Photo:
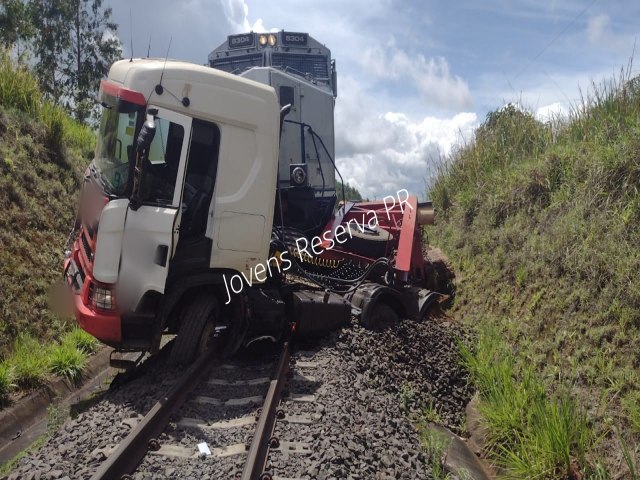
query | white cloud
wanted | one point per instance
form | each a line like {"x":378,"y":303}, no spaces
{"x":236,"y":12}
{"x":380,"y":153}
{"x":601,"y":33}
{"x":551,"y":113}
{"x":431,"y":77}
{"x":597,"y":27}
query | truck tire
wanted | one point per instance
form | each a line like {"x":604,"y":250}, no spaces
{"x":369,"y":243}
{"x":198,"y":321}
{"x":439,"y":272}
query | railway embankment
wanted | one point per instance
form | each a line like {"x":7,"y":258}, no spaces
{"x":541,"y":222}
{"x":43,"y":153}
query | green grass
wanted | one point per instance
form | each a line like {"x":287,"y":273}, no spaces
{"x":435,"y":444}
{"x":407,"y":398}
{"x":430,"y":414}
{"x":531,"y":434}
{"x":631,"y":405}
{"x":6,"y":382}
{"x":67,"y":361}
{"x":43,"y":153}
{"x":82,"y":340}
{"x":542,"y":223}
{"x":30,"y":362}
{"x":19,"y":89}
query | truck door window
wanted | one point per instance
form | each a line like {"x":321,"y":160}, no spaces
{"x":160,"y":173}
{"x":202,"y":167}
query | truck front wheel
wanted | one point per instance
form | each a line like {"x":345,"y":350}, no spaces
{"x":198,"y":320}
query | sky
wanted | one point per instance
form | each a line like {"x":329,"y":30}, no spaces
{"x":415,"y":78}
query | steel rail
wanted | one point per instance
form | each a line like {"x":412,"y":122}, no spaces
{"x":128,"y":454}
{"x":254,"y":468}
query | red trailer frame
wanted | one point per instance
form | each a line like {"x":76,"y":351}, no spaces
{"x":400,"y":220}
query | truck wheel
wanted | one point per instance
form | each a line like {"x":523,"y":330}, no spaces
{"x":370,"y":242}
{"x":198,"y":321}
{"x":439,"y":272}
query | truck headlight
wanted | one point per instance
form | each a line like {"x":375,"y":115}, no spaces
{"x":102,"y":297}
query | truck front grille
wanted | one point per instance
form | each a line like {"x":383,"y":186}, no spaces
{"x":87,"y":248}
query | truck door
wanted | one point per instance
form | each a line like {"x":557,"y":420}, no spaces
{"x":151,"y":231}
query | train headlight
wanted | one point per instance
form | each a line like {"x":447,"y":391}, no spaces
{"x":263,"y":39}
{"x":272,"y":39}
{"x":298,"y":174}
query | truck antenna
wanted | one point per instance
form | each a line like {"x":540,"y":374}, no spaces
{"x":165,"y":60}
{"x":131,"y":28}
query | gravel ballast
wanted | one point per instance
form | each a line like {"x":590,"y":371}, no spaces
{"x":365,"y":382}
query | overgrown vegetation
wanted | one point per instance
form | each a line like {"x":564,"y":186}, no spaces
{"x":542,"y":222}
{"x":532,"y":434}
{"x":42,"y":156}
{"x":31,"y":363}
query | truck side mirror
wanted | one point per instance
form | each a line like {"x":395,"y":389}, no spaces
{"x":147,"y":132}
{"x":143,"y":143}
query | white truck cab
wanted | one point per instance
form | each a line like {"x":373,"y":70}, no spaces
{"x":200,"y":202}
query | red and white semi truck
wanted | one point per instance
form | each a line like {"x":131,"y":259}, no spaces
{"x":209,"y":210}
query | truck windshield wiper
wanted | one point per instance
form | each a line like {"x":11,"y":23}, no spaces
{"x":101,"y":175}
{"x":98,"y":175}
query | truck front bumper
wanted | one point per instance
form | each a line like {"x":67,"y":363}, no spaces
{"x":106,"y":326}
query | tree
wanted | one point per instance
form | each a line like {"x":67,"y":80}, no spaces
{"x":51,"y":39}
{"x":93,"y":47}
{"x":73,"y":43}
{"x":16,"y":28}
{"x":350,"y":192}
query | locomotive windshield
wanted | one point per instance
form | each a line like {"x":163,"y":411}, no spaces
{"x":315,"y":66}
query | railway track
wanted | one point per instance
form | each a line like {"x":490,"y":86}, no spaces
{"x":217,"y":402}
{"x":340,"y":407}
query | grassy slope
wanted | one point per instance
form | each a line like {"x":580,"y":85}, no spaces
{"x":42,"y":157}
{"x":543,"y":226}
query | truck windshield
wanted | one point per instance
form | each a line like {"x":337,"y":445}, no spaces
{"x":115,"y":148}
